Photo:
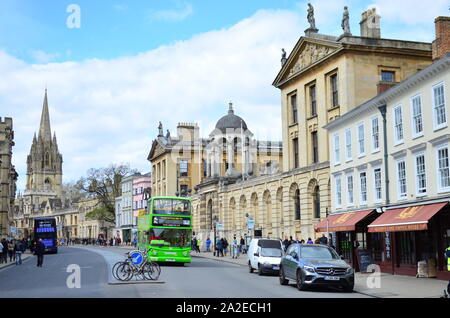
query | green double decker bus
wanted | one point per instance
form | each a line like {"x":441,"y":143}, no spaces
{"x":165,"y":229}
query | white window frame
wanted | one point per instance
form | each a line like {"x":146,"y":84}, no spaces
{"x":375,"y":149}
{"x":414,"y":133}
{"x":362,"y":202}
{"x":437,"y":126}
{"x":416,"y":155}
{"x":375,"y":199}
{"x":401,"y":195}
{"x":336,"y":149}
{"x":338,"y":191}
{"x":348,"y":145}
{"x":438,"y":170}
{"x":350,"y":194}
{"x":397,"y":139}
{"x":363,"y":139}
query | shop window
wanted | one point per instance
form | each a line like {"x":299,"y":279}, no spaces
{"x":345,"y":245}
{"x":406,"y":247}
{"x":376,"y":245}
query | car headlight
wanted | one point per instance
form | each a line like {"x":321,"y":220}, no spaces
{"x":309,"y":269}
{"x":349,"y":270}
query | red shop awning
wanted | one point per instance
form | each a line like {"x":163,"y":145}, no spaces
{"x":414,"y":218}
{"x":341,"y":222}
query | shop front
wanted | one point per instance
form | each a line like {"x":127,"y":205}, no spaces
{"x":349,"y":231}
{"x":411,"y":235}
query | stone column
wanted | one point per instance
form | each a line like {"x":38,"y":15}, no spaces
{"x":230,"y":154}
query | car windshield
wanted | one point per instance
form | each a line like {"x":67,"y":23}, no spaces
{"x":271,"y":252}
{"x":318,"y":252}
{"x":170,"y":237}
{"x":171,"y":207}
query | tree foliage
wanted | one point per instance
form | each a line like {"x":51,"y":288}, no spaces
{"x":104,"y":185}
{"x":101,"y":213}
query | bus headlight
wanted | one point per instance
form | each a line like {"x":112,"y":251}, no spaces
{"x":185,"y":254}
{"x":154,"y":253}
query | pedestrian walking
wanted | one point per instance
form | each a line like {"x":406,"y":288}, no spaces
{"x":219,"y":248}
{"x":242,"y":243}
{"x":310,"y":241}
{"x":286,"y":243}
{"x":40,"y":250}
{"x":235,"y":248}
{"x":19,"y":249}
{"x":199,"y":244}
{"x":208,"y":245}
{"x":11,"y":254}
{"x":5,"y":251}
{"x":1,"y":252}
{"x":323,"y":240}
{"x":225,"y":246}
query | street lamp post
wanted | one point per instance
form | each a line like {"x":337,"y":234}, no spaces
{"x":215,"y":219}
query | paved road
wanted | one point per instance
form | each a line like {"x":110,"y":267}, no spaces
{"x":202,"y":278}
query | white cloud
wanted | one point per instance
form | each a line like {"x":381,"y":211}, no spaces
{"x":411,"y":12}
{"x":106,"y":111}
{"x":182,"y":11}
{"x":43,"y":57}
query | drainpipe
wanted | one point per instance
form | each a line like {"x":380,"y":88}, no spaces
{"x":382,"y":109}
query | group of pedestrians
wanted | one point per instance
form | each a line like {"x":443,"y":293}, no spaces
{"x":12,"y":249}
{"x":322,"y":240}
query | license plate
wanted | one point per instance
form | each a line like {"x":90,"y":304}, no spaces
{"x":170,"y":260}
{"x":331,"y":278}
{"x":276,"y":268}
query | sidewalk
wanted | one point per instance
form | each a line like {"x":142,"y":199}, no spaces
{"x":25,"y":256}
{"x":391,"y":286}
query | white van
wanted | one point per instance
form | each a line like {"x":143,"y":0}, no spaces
{"x":264,"y":255}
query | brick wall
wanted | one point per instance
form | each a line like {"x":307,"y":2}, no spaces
{"x":441,"y":46}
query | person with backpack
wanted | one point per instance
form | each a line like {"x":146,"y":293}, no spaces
{"x":18,"y":249}
{"x":225,"y":246}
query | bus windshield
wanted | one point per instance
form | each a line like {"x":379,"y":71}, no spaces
{"x":170,"y":237}
{"x":171,"y":207}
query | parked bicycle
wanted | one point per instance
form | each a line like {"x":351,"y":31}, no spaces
{"x":136,"y":265}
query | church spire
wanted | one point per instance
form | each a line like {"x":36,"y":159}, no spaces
{"x":44,"y":128}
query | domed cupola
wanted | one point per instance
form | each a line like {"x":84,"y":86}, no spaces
{"x":231,"y":121}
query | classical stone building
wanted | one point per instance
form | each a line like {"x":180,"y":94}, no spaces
{"x":8,"y":176}
{"x":323,"y":77}
{"x":391,"y":175}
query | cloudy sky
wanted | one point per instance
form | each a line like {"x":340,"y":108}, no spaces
{"x":131,"y":64}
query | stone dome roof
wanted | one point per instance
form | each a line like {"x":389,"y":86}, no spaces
{"x":231,"y":121}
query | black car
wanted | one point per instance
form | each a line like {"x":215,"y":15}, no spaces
{"x":315,"y":265}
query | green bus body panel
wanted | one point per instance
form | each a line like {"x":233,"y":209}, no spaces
{"x":157,"y":252}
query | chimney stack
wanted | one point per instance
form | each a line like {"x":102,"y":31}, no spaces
{"x":370,"y":24}
{"x":441,"y":45}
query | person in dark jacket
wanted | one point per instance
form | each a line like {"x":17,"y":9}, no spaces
{"x":219,"y":247}
{"x":40,"y":250}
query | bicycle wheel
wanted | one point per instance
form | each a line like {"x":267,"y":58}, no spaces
{"x":124,"y":272}
{"x":114,"y":269}
{"x":151,"y":272}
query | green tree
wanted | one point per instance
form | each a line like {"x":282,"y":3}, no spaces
{"x":104,"y":185}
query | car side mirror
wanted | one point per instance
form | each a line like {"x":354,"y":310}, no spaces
{"x":342,"y":257}
{"x":256,"y":254}
{"x":294,"y":255}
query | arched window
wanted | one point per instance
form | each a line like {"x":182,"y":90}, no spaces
{"x":47,"y":184}
{"x":47,"y":159}
{"x":297,"y":204}
{"x":316,"y":202}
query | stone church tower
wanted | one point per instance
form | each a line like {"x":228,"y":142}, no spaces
{"x":44,"y":163}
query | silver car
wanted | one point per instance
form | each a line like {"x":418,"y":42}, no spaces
{"x":315,"y":265}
